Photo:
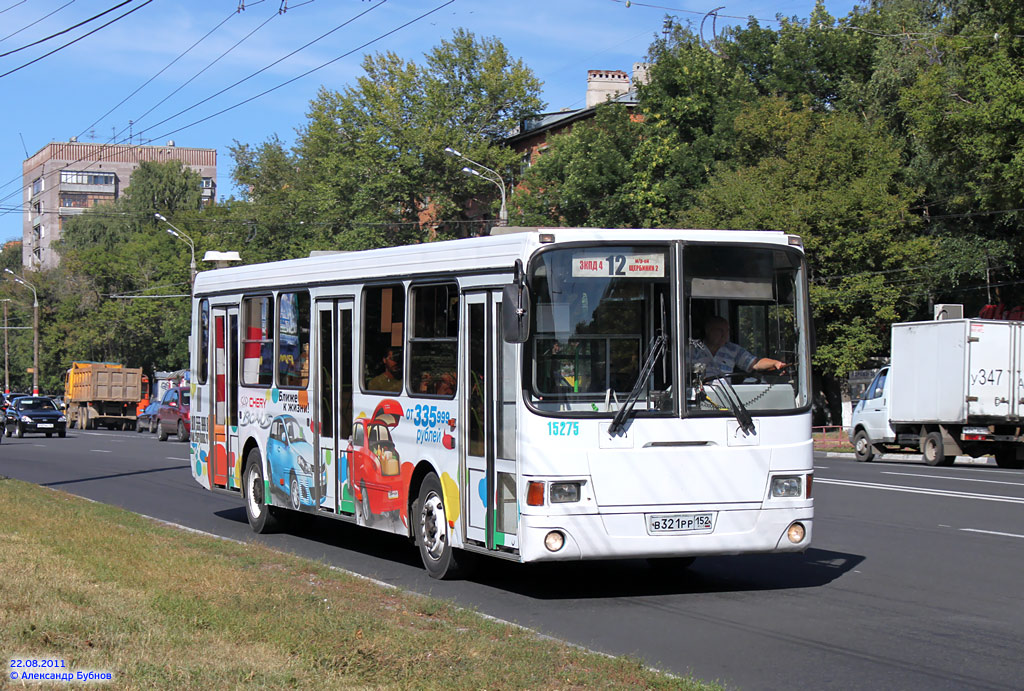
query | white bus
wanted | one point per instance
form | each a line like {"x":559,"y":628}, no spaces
{"x":535,"y":395}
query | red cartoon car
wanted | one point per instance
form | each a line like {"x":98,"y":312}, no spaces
{"x":375,"y":464}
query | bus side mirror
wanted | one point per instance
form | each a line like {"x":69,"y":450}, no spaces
{"x":515,"y":307}
{"x":515,"y":313}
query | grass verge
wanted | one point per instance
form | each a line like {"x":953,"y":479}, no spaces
{"x":104,"y":589}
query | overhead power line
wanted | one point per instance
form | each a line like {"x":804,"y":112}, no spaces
{"x":85,"y":35}
{"x":197,"y":74}
{"x":162,"y":70}
{"x":22,"y":2}
{"x":70,"y":28}
{"x":311,"y":71}
{"x":46,"y":16}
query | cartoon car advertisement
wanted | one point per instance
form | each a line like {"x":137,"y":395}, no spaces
{"x":376,"y":467}
{"x":290,"y":462}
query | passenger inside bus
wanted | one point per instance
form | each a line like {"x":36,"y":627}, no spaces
{"x":387,"y":380}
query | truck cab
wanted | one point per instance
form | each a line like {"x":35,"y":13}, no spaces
{"x":870,"y":423}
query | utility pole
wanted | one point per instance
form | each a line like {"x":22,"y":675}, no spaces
{"x":7,"y":361}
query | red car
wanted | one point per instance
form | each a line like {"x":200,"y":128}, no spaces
{"x":172,"y":415}
{"x":375,"y":466}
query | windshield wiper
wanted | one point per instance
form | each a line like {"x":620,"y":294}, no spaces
{"x":739,"y":411}
{"x":656,"y":349}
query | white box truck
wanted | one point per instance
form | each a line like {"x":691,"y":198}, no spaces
{"x":953,"y":387}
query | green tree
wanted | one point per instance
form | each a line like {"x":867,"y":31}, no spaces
{"x":583,"y":176}
{"x":837,"y":184}
{"x":368,"y":167}
{"x":113,"y":259}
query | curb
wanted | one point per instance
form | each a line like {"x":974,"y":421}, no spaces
{"x":960,"y":460}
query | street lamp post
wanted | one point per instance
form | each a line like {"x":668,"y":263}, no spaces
{"x":496,"y":180}
{"x":182,"y":235}
{"x":35,"y":329}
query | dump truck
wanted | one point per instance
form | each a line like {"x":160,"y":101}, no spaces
{"x":954,"y":387}
{"x":103,"y":394}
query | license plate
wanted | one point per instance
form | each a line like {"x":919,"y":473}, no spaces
{"x":659,"y":523}
{"x":44,"y":425}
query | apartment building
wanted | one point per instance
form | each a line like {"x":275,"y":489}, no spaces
{"x":65,"y":178}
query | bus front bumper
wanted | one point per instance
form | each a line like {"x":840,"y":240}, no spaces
{"x":627,"y":535}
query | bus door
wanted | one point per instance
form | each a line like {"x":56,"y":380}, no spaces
{"x":334,"y":402}
{"x":488,"y":404}
{"x":226,"y":465}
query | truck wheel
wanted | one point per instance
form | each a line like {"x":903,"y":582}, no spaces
{"x":261,"y":516}
{"x":138,"y":427}
{"x":1007,"y":458}
{"x":182,"y":434}
{"x":161,"y":435}
{"x":932,"y":450}
{"x":862,"y":449}
{"x":430,"y":526}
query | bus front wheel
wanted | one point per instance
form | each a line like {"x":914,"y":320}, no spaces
{"x":260,"y":515}
{"x":431,"y":530}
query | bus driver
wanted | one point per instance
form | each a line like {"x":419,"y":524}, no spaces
{"x":721,"y":356}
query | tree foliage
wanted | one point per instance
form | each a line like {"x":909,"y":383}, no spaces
{"x":890,"y":139}
{"x":368,"y":167}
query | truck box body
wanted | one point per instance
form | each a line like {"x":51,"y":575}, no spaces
{"x":956,"y":371}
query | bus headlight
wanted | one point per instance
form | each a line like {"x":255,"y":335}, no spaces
{"x":564,"y":492}
{"x":787,"y":487}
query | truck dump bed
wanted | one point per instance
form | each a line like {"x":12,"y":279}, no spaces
{"x":104,"y":382}
{"x":957,"y":370}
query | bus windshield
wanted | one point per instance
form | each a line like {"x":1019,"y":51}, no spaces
{"x":746,"y":347}
{"x":597,"y":312}
{"x":601,"y":312}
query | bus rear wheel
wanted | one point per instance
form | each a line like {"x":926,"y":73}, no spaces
{"x":430,"y":526}
{"x":260,"y":515}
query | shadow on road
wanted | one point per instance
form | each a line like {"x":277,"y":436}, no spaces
{"x":61,"y":483}
{"x":588,"y":579}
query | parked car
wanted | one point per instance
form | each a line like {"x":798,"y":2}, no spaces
{"x":172,"y":416}
{"x":146,"y":421}
{"x":34,"y":414}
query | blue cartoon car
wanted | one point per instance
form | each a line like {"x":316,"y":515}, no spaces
{"x":290,"y":462}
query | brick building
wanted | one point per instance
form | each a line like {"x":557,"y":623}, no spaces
{"x":64,"y":178}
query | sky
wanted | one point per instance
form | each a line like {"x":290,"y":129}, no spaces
{"x":137,"y":76}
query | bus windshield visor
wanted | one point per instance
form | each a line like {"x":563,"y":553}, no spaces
{"x":747,"y":348}
{"x":598,"y":311}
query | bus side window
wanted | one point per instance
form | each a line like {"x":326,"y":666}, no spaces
{"x":433,"y":340}
{"x":258,"y":341}
{"x":383,"y":317}
{"x":293,"y":339}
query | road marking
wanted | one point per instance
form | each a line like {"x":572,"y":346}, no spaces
{"x":172,"y":458}
{"x":921,"y":490}
{"x":991,"y":532}
{"x":954,"y":477}
{"x":101,"y":450}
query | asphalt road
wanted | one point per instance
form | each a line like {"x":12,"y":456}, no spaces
{"x":913,"y":582}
